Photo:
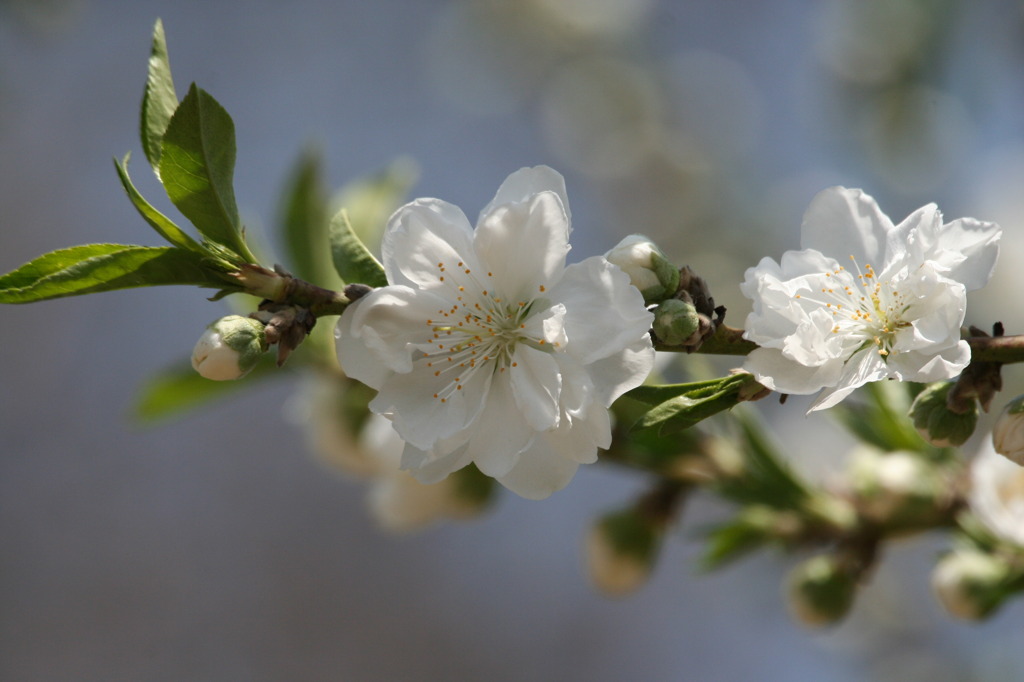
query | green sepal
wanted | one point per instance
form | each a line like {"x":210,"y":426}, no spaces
{"x":180,"y":388}
{"x":352,"y":260}
{"x":679,"y":406}
{"x":159,"y":99}
{"x":164,"y":226}
{"x":197,"y":167}
{"x":92,"y":268}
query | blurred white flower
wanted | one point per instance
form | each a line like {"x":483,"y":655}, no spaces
{"x":893,"y":312}
{"x":396,"y":500}
{"x":1008,"y":433}
{"x":621,"y":548}
{"x":486,"y":348}
{"x":997,"y":494}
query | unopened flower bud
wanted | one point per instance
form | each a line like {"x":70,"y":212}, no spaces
{"x":647,"y":267}
{"x":821,"y":591}
{"x":229,"y":348}
{"x":970,"y":584}
{"x":677,"y":323}
{"x":1008,"y":433}
{"x":898,"y":487}
{"x":937,"y":423}
{"x":621,"y":549}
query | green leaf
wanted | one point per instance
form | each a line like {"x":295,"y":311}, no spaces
{"x":157,"y":220}
{"x":881,"y":419}
{"x":731,"y":541}
{"x":766,"y":479}
{"x":93,"y":268}
{"x":197,"y":168}
{"x":180,"y":388}
{"x":352,"y":259}
{"x":159,"y":99}
{"x":679,"y":406}
{"x":304,"y":220}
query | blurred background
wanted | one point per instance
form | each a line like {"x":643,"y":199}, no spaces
{"x":216,"y":548}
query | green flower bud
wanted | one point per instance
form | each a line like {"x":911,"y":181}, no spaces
{"x":936,"y":422}
{"x":229,"y":348}
{"x":898,"y":488}
{"x":821,"y":591}
{"x":647,"y":267}
{"x":621,"y":549}
{"x":1008,"y":433}
{"x":970,"y":584}
{"x":677,"y":323}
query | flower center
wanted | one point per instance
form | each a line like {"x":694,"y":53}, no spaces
{"x":862,"y":306}
{"x":479,"y":331}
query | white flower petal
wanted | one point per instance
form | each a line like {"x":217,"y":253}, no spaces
{"x":911,"y":240}
{"x":599,"y":429}
{"x":524,"y":245}
{"x":967,"y":250}
{"x":846,"y":222}
{"x":524,"y":184}
{"x":432,"y":468}
{"x":865,"y":365}
{"x":577,"y":386}
{"x":622,"y":371}
{"x":427,"y":407}
{"x":604,"y":312}
{"x":931,"y":365}
{"x":543,"y":468}
{"x":381,"y":331}
{"x":779,"y":373}
{"x":501,"y":431}
{"x":423,"y":237}
{"x":537,"y":386}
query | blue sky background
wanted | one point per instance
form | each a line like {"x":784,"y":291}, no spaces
{"x":216,"y":548}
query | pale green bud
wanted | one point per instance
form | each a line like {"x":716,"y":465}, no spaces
{"x":820,"y":591}
{"x":648,"y":269}
{"x":677,"y":323}
{"x":970,"y":584}
{"x":899,"y":487}
{"x":936,"y":422}
{"x":621,"y":549}
{"x":229,"y":348}
{"x":1008,"y":433}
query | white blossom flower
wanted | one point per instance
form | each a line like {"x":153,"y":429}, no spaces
{"x":485,"y":347}
{"x":997,"y":494}
{"x":397,"y":500}
{"x":865,"y":299}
